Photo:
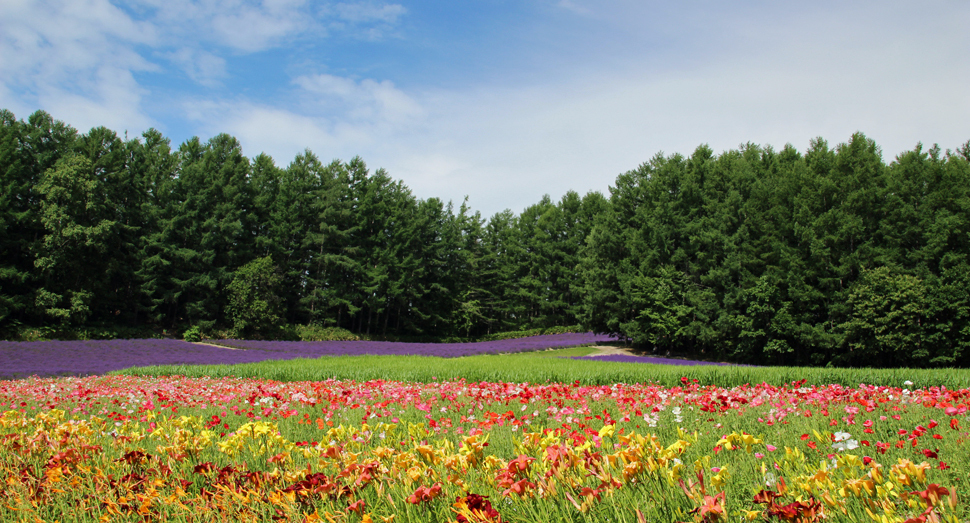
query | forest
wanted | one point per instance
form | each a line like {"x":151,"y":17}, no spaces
{"x":754,"y":255}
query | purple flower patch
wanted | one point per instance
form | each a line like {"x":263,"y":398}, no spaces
{"x":81,"y":358}
{"x":313,"y":349}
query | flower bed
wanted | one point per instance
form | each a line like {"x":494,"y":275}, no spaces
{"x":121,"y":448}
{"x":313,"y":349}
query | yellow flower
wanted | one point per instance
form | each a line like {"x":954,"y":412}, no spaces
{"x":607,"y":431}
{"x":720,"y":479}
{"x":428,"y":453}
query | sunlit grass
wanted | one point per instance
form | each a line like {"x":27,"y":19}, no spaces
{"x":554,"y":366}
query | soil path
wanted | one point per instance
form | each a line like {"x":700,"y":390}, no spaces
{"x":606,"y":350}
{"x":214,"y":345}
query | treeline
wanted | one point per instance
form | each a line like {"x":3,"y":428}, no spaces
{"x":95,"y":229}
{"x":772,"y":257}
{"x":754,"y":255}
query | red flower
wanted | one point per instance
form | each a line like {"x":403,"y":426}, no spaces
{"x":520,"y":487}
{"x":479,"y":508}
{"x":357,"y":506}
{"x":425,"y":494}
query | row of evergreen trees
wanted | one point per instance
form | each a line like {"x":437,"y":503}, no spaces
{"x":96,"y":229}
{"x":754,"y":255}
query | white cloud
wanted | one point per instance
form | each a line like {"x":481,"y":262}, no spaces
{"x":363,"y":20}
{"x":336,"y":117}
{"x":367,"y":101}
{"x":368,"y":12}
{"x":261,"y":129}
{"x":242,"y":25}
{"x":74,"y":59}
{"x":255,"y":25}
{"x":113,"y":102}
{"x":575,"y":7}
{"x":202,"y":67}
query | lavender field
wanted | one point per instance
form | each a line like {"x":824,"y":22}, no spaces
{"x":80,"y":358}
{"x":313,"y":349}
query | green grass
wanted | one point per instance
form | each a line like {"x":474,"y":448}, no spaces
{"x":552,"y":366}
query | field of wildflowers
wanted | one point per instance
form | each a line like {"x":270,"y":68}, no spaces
{"x":140,"y":448}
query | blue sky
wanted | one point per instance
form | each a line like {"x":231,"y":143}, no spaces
{"x":503,"y":101}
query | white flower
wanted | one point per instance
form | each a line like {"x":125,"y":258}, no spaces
{"x":908,"y":383}
{"x":770,"y":479}
{"x":844,"y":442}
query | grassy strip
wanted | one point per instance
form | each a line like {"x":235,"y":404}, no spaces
{"x":550,"y":366}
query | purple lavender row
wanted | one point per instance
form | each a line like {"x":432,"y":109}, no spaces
{"x":81,"y":358}
{"x":84,"y":358}
{"x":442,"y":350}
{"x":622,"y":358}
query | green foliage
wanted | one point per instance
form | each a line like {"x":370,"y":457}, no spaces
{"x":885,"y":319}
{"x":318,"y":333}
{"x":831,"y":258}
{"x":254,"y":303}
{"x":192,"y":334}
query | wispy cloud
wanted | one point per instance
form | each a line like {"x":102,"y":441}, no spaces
{"x":573,"y":6}
{"x":76,"y":58}
{"x":363,"y":20}
{"x":201,"y":66}
{"x":245,"y":26}
{"x":367,"y":101}
{"x":331,"y":115}
{"x":362,"y":12}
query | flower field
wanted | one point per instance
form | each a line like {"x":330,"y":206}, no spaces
{"x":139,"y":448}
